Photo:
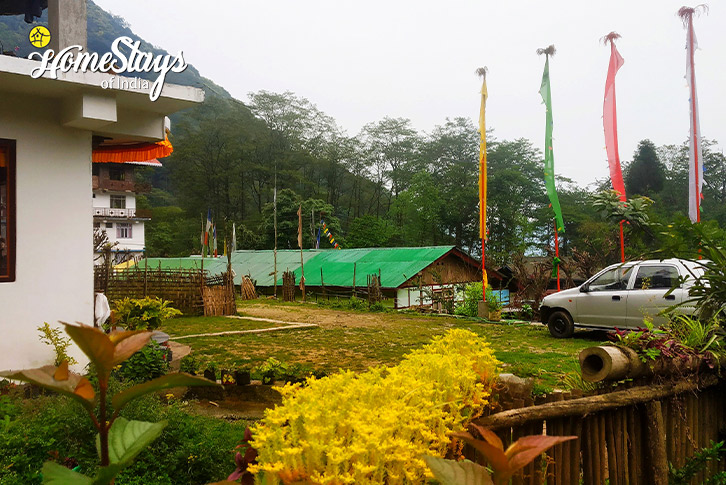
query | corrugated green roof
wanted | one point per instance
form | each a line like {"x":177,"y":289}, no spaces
{"x":396,"y":265}
{"x":260,"y":265}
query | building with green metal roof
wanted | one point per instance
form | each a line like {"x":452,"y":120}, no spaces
{"x":403,"y":271}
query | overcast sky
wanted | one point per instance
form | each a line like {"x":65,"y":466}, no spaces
{"x":361,"y":61}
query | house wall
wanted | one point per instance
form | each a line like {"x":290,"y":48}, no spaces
{"x":104,"y":199}
{"x":54,"y":277}
{"x":137,"y":242}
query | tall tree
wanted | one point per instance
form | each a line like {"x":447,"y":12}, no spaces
{"x":392,"y":148}
{"x":645,"y":174}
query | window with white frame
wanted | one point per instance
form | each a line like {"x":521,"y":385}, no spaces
{"x":123,"y":230}
{"x":118,"y":202}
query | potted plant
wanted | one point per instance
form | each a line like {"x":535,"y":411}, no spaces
{"x":494,"y":305}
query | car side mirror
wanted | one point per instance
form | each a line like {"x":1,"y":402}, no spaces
{"x":584,"y":289}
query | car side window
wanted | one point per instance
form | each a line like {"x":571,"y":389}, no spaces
{"x":614,"y":279}
{"x":656,"y":277}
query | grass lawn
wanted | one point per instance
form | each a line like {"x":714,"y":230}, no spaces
{"x":357,"y":340}
{"x":195,"y":325}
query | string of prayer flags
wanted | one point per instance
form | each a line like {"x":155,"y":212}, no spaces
{"x":330,"y":237}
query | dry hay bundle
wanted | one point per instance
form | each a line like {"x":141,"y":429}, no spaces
{"x":248,"y":289}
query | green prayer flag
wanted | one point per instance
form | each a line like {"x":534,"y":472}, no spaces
{"x":549,"y":161}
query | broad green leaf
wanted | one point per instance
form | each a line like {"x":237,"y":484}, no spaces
{"x":105,"y":474}
{"x":56,"y":474}
{"x":527,"y":448}
{"x":58,"y":379}
{"x":126,"y":439}
{"x":450,"y":472}
{"x":163,"y":382}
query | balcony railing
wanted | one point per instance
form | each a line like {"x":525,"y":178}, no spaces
{"x":119,"y":185}
{"x":121,"y":213}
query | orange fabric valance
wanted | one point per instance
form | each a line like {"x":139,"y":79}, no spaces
{"x":132,"y":153}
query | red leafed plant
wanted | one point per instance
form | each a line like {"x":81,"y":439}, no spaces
{"x":243,"y":460}
{"x":503,"y":462}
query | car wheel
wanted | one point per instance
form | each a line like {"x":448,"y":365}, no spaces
{"x":561,"y":325}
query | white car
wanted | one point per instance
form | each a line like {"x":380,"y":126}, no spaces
{"x":622,"y":295}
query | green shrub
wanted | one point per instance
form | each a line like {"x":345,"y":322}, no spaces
{"x":60,"y":344}
{"x":191,"y":449}
{"x":377,"y":307}
{"x":271,"y":369}
{"x":494,"y":302}
{"x":356,"y":303}
{"x":189,"y":364}
{"x":146,"y":364}
{"x":472,"y":296}
{"x":143,"y":314}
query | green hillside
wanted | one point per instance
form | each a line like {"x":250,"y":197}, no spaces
{"x":103,"y":28}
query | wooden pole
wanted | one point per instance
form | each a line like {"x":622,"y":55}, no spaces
{"x":557,"y":255}
{"x":354,"y":265}
{"x":593,"y":404}
{"x":274,"y":253}
{"x":302,"y":275}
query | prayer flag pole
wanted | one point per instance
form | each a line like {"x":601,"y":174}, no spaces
{"x":695,"y":166}
{"x":482,"y":71}
{"x":610,"y":125}
{"x":549,"y":162}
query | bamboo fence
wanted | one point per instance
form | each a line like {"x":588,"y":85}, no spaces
{"x":189,"y":290}
{"x":627,"y":436}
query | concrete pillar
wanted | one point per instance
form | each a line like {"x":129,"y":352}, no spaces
{"x":68,"y":23}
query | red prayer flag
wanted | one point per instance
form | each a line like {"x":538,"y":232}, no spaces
{"x":610,"y":119}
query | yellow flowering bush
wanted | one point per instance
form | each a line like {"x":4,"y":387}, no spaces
{"x":375,"y":427}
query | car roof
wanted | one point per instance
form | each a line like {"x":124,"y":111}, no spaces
{"x":685,"y":262}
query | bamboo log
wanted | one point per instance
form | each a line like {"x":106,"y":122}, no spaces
{"x":611,"y":363}
{"x":593,"y":404}
{"x":658,"y":463}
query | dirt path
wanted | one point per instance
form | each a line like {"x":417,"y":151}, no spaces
{"x":324,"y":317}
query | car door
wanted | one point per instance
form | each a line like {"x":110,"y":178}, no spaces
{"x":603,"y":301}
{"x":649,"y":296}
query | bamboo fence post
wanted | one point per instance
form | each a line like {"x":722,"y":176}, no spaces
{"x":146,"y":275}
{"x":635,"y":445}
{"x":658,"y":463}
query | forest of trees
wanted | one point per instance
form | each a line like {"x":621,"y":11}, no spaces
{"x":389,"y":185}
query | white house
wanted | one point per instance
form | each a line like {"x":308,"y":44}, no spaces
{"x":115,"y":212}
{"x":47,"y":131}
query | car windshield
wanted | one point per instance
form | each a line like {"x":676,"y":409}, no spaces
{"x":612,"y":279}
